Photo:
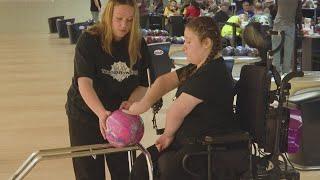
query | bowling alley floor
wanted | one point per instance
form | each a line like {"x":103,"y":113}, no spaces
{"x":35,"y":73}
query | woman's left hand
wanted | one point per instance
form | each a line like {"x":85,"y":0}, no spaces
{"x":125,"y":105}
{"x":164,"y":141}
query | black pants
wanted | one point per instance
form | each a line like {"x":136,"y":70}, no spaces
{"x":229,"y":163}
{"x":84,"y":130}
{"x":168,"y":164}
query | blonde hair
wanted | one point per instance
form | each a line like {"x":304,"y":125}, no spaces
{"x":104,"y":29}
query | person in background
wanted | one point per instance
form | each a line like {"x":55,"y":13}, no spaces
{"x":308,"y":4}
{"x":184,"y":6}
{"x":209,"y":8}
{"x":171,"y":9}
{"x":110,"y":72}
{"x":285,"y":21}
{"x":95,"y":8}
{"x":158,"y":7}
{"x":223,"y":14}
{"x":238,"y":4}
{"x":246,"y":9}
{"x":227,"y":30}
{"x":260,"y":16}
{"x":192,"y":11}
{"x":143,"y":12}
{"x":270,"y":8}
{"x":203,"y":105}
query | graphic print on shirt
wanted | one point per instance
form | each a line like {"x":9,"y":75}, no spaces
{"x":119,"y":71}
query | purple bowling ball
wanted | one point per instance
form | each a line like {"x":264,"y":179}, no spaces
{"x":124,"y":129}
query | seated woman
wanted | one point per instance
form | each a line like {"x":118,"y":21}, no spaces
{"x":203,"y":104}
{"x":171,"y":9}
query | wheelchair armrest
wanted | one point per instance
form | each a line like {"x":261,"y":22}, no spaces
{"x":226,"y":138}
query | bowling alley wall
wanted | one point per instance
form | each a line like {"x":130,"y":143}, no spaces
{"x":31,"y":15}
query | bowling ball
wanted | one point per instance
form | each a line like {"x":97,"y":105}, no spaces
{"x":163,"y":38}
{"x":124,"y":129}
{"x":240,"y":51}
{"x":174,"y":40}
{"x":144,"y":32}
{"x":228,"y":51}
{"x":180,"y":40}
{"x":164,"y":33}
{"x":148,"y":39}
{"x":253,"y":52}
{"x":156,"y":39}
{"x":168,"y":39}
{"x":317,"y":28}
{"x":156,"y":32}
{"x":149,"y":32}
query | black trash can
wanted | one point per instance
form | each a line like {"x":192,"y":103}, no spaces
{"x":176,"y":25}
{"x":52,"y":23}
{"x":75,"y":30}
{"x":62,"y":27}
{"x":156,"y":21}
{"x":160,"y":60}
{"x":308,"y":156}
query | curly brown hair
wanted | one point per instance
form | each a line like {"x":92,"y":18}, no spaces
{"x":204,"y":27}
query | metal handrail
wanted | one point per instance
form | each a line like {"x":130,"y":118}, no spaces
{"x":78,"y":151}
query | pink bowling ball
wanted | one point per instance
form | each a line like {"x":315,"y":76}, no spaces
{"x":124,"y":129}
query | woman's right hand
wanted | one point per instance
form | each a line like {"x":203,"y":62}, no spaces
{"x":138,"y":108}
{"x":102,"y":123}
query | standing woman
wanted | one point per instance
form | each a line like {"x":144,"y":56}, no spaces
{"x":95,"y":8}
{"x":110,"y":72}
{"x":285,"y":21}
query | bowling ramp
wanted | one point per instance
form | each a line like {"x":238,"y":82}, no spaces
{"x":79,"y":151}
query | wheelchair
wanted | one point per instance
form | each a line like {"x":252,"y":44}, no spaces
{"x":254,"y":151}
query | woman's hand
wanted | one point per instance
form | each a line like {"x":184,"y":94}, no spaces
{"x":164,"y":141}
{"x":102,"y":123}
{"x":138,"y":108}
{"x":125,"y":105}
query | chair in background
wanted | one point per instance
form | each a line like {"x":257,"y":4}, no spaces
{"x":156,"y":21}
{"x":161,"y":62}
{"x":176,"y":25}
{"x":62,"y":27}
{"x":52,"y":23}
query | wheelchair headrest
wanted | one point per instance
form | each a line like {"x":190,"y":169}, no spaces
{"x":252,"y":103}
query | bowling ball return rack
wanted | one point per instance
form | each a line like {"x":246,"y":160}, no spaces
{"x":80,"y":151}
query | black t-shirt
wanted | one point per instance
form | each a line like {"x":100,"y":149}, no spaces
{"x":113,"y":80}
{"x":93,"y":6}
{"x":213,"y":85}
